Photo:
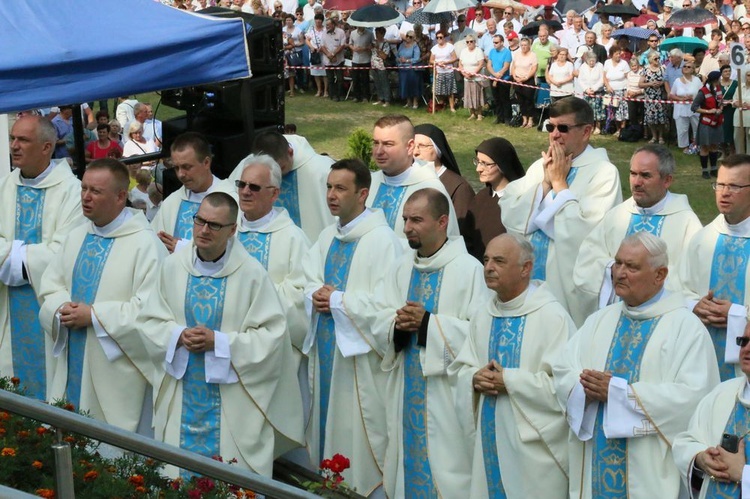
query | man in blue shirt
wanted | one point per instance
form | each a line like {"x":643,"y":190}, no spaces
{"x":498,"y":65}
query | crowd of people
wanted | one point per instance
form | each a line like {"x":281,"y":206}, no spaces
{"x":450,"y":344}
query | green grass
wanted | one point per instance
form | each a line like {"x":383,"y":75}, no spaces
{"x":327,"y":125}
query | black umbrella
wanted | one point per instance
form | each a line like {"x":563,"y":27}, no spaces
{"x":619,"y":10}
{"x":576,"y":5}
{"x":532,"y":29}
{"x":421,"y":17}
{"x":690,"y":18}
{"x":374,"y":16}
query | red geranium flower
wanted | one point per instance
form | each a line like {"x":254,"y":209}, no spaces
{"x":90,"y":476}
{"x":339,"y":463}
{"x":136,"y":480}
{"x":15,"y":381}
{"x":46,"y":493}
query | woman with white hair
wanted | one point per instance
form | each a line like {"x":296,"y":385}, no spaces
{"x":590,"y":80}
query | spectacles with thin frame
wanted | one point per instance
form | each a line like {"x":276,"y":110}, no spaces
{"x":253,"y":187}
{"x":562,"y":128}
{"x":478,"y":162}
{"x":422,"y":146}
{"x":214,"y":226}
{"x":732,"y":188}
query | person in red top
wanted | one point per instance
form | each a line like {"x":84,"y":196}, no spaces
{"x":103,"y":147}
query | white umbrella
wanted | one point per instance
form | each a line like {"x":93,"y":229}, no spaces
{"x":501,"y":4}
{"x":436,"y":6}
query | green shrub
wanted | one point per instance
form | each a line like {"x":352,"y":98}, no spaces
{"x":359,"y":146}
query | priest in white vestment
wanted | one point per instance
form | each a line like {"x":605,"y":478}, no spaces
{"x":698,"y":452}
{"x":504,"y":389}
{"x":343,"y":270}
{"x":399,"y":175}
{"x":629,"y":380}
{"x":433,"y":290}
{"x":303,"y":182}
{"x":41,"y":204}
{"x":91,"y":295}
{"x":269,"y":235}
{"x":715,"y":271}
{"x":191,"y":157}
{"x":216,"y":333}
{"x":652,"y":208}
{"x":562,"y":197}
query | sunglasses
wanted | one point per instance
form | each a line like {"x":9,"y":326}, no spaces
{"x":439,"y":37}
{"x":253,"y":187}
{"x":550,"y":127}
{"x":742,"y":341}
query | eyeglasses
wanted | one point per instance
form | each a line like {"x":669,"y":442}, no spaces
{"x":550,"y":127}
{"x":508,"y":13}
{"x":470,"y":41}
{"x":409,"y":36}
{"x":742,"y":341}
{"x":214,"y":226}
{"x":440,"y":37}
{"x":482,"y":163}
{"x":732,"y":188}
{"x":422,"y":146}
{"x":253,"y":187}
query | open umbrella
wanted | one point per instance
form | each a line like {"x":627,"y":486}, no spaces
{"x":690,"y":18}
{"x":538,"y":3}
{"x":501,"y":4}
{"x":419,"y":16}
{"x":345,"y":4}
{"x":638,"y":33}
{"x":643,"y":19}
{"x":436,"y":6}
{"x":685,"y":43}
{"x":532,"y":29}
{"x":373,"y":16}
{"x":576,"y":5}
{"x":618,"y":10}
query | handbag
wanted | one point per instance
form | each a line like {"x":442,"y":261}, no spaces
{"x":611,"y":100}
{"x":294,"y":58}
{"x":315,"y":59}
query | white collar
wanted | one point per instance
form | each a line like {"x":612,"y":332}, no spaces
{"x":399,"y":179}
{"x":33,"y":182}
{"x":741,"y":229}
{"x":658,"y":296}
{"x":655,"y":209}
{"x":260,"y":224}
{"x":441,"y":170}
{"x":499,"y":193}
{"x":208,"y":269}
{"x":115,"y":224}
{"x":197,"y":197}
{"x":346,"y":229}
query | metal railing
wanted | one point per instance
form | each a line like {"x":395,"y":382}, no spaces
{"x":98,"y":430}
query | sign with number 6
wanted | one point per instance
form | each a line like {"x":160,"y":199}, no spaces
{"x":737,"y":56}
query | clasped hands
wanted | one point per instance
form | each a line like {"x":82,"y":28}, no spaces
{"x":712,"y":311}
{"x":721,"y":465}
{"x":489,"y":379}
{"x":556,"y":164}
{"x":595,"y":385}
{"x":410,"y":316}
{"x":322,"y":299}
{"x":75,"y":315}
{"x":197,"y":339}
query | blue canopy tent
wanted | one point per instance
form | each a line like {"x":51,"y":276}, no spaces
{"x":48,"y":58}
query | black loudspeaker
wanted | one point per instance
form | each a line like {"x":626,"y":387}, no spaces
{"x":229,"y":113}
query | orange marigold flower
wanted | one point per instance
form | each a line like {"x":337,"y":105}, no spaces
{"x":23,"y":434}
{"x":140,"y":490}
{"x":8,"y":451}
{"x":90,"y":476}
{"x":69,"y":439}
{"x":69,"y":407}
{"x":37,"y":464}
{"x":4,"y":416}
{"x":2,"y":432}
{"x":136,"y":480}
{"x":46,"y":493}
{"x":15,"y":381}
{"x":41,"y":430}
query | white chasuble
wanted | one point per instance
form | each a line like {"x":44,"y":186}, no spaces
{"x":249,"y":374}
{"x":520,"y":435}
{"x":103,"y":369}
{"x":345,"y":347}
{"x":427,"y":456}
{"x":717,"y":260}
{"x":557,"y":224}
{"x":38,"y":215}
{"x":663,"y":364}
{"x":675,"y":223}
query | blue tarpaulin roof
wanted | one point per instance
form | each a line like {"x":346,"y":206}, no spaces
{"x":69,"y":51}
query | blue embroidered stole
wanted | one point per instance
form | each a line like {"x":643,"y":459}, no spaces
{"x":424,"y":288}
{"x":258,"y":244}
{"x":289,"y":197}
{"x":737,"y":424}
{"x":200,"y":424}
{"x":87,"y":275}
{"x":645,"y":223}
{"x":389,"y":199}
{"x":27,"y":337}
{"x":540,"y":241}
{"x":506,"y":337}
{"x":183,"y":227}
{"x":336,"y":273}
{"x":609,"y":456}
{"x":728,"y":271}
